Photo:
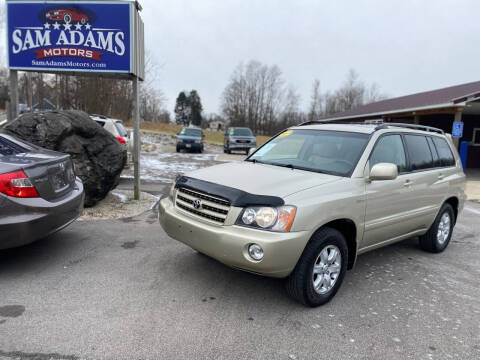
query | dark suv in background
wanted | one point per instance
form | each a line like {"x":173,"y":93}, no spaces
{"x":239,"y":138}
{"x":190,"y":139}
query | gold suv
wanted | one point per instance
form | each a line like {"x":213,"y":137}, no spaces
{"x":311,"y":199}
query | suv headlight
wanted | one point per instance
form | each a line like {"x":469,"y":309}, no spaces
{"x":198,"y":141}
{"x":269,"y":218}
{"x":171,"y":193}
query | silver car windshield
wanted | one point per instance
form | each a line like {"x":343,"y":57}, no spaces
{"x":240,"y":132}
{"x":330,"y":152}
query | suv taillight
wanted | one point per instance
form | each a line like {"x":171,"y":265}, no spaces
{"x":17,"y":184}
{"x":121,"y":140}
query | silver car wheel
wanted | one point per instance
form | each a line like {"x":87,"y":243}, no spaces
{"x":443,"y":230}
{"x":326,"y":269}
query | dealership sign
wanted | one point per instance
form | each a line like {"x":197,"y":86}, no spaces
{"x":77,"y":36}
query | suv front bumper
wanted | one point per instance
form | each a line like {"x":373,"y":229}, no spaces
{"x":229,"y":243}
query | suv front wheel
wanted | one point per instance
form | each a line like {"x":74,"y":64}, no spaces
{"x":320,"y":270}
{"x":436,"y":239}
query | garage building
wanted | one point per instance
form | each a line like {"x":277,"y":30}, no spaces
{"x":439,"y":108}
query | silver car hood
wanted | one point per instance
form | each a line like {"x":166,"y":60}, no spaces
{"x":262,"y":179}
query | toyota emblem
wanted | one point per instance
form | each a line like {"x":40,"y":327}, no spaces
{"x":197,"y":204}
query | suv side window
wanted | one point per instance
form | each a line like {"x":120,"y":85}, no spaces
{"x":419,"y":153}
{"x":389,"y":149}
{"x":444,"y":152}
{"x":436,"y":160}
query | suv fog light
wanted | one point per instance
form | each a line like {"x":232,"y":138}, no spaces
{"x":255,"y":251}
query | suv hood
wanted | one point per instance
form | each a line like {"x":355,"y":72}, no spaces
{"x":262,"y":179}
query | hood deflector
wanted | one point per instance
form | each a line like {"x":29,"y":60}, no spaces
{"x":238,"y":198}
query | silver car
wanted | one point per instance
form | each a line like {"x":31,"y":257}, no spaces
{"x":306,"y":203}
{"x":39,"y":192}
{"x":239,"y":139}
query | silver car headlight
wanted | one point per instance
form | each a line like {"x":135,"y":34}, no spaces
{"x":268,"y":218}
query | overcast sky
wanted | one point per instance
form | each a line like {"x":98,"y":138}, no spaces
{"x":404,"y":46}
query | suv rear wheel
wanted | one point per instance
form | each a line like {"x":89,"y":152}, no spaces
{"x":438,"y":236}
{"x":320,"y":270}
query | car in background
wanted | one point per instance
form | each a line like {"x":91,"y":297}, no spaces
{"x":239,"y":138}
{"x":114,"y":127}
{"x":39,"y":192}
{"x":66,"y":15}
{"x":190,"y":139}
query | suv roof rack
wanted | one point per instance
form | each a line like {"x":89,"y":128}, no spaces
{"x":410,"y":126}
{"x":378,"y":122}
{"x":319,"y":122}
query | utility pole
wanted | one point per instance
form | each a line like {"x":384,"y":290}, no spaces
{"x":13,"y":95}
{"x":136,"y":141}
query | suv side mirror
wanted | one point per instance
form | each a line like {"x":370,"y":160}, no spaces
{"x":384,"y":171}
{"x":251,"y":151}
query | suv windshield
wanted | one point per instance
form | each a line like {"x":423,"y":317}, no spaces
{"x":240,"y":132}
{"x":331,"y":152}
{"x":191,"y":132}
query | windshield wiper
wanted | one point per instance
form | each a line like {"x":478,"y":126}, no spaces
{"x":255,"y":161}
{"x":290,"y":166}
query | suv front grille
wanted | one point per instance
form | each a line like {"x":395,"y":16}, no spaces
{"x":202,"y":204}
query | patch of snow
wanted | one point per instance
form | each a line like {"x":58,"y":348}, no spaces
{"x":123,"y":198}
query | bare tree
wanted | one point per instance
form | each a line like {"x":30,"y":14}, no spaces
{"x":316,"y":108}
{"x":254,"y":96}
{"x":373,"y":94}
{"x":351,"y":94}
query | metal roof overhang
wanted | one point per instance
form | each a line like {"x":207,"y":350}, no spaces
{"x":398,"y":111}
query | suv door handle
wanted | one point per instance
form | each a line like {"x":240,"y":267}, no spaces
{"x":441,"y":176}
{"x":408,"y":183}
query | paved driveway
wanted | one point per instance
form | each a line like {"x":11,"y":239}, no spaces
{"x":124,"y":290}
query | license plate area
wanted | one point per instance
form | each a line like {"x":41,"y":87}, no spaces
{"x":188,"y":145}
{"x":61,"y":176}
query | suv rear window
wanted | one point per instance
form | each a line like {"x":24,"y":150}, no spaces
{"x":121,"y":129}
{"x":444,"y":152}
{"x":418,"y":152}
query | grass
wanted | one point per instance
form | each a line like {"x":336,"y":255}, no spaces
{"x":211,"y":137}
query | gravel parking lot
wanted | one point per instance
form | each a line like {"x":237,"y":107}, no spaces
{"x":122,"y":289}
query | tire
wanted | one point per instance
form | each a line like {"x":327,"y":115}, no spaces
{"x":229,"y":151}
{"x":433,"y":241}
{"x":300,"y":283}
{"x":178,"y":149}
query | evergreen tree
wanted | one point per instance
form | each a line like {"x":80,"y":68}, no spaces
{"x":195,"y":107}
{"x":182,"y":110}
